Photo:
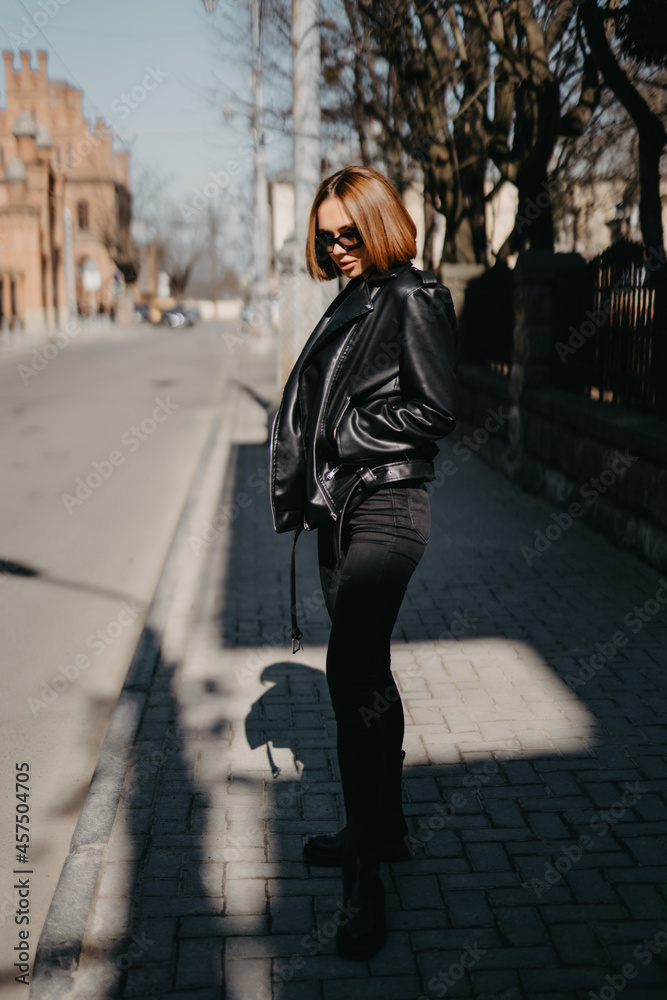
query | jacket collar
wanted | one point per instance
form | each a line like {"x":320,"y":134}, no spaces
{"x":380,"y":277}
{"x":353,"y":304}
{"x":358,"y":302}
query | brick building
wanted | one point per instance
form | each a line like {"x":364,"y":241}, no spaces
{"x":64,"y":199}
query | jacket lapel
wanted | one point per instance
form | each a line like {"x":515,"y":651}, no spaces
{"x":357,"y":304}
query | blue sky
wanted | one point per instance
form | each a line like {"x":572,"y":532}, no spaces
{"x":107,"y":49}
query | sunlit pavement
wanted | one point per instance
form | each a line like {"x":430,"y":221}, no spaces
{"x":534,"y":779}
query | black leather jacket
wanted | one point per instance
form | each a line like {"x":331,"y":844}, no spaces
{"x":372,"y":390}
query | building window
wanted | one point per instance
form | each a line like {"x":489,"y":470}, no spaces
{"x":2,"y":157}
{"x":57,"y":156}
{"x":82,"y":214}
{"x":69,"y":156}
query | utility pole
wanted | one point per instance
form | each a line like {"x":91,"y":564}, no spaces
{"x":261,"y":289}
{"x":261,"y":292}
{"x":308,"y":297}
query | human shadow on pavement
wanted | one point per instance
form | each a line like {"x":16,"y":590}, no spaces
{"x":155,"y":927}
{"x":534,"y":779}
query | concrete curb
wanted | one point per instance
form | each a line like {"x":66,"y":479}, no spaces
{"x":59,"y":947}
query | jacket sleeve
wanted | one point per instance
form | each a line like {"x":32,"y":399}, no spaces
{"x":426,"y":402}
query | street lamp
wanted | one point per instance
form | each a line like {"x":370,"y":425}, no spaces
{"x":210,"y":5}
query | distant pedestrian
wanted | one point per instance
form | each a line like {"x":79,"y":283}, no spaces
{"x":352,"y":446}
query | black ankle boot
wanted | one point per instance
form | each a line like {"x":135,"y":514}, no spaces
{"x":327,"y":849}
{"x":364,"y":931}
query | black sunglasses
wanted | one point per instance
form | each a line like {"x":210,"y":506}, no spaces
{"x":325,"y":242}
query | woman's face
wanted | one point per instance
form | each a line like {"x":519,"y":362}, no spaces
{"x":333,"y":218}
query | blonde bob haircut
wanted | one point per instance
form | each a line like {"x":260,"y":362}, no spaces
{"x":373,"y":204}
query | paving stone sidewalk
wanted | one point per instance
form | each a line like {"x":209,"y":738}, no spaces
{"x":535,"y":779}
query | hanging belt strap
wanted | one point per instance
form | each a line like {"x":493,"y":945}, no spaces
{"x":297,"y":634}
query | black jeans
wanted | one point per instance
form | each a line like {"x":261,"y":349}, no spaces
{"x":384,"y":534}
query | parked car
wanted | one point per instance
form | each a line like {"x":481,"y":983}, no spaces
{"x":193,"y":314}
{"x":172,"y":317}
{"x":180,"y":315}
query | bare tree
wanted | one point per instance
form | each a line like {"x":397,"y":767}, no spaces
{"x":409,"y":85}
{"x":544,"y":88}
{"x":650,"y":127}
{"x":179,"y":247}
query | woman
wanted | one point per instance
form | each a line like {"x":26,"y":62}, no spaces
{"x":352,"y":446}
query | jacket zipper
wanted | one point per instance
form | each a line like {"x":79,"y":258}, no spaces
{"x":273,"y":452}
{"x":343,"y":411}
{"x":332,"y":472}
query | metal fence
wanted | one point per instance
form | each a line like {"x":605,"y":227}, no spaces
{"x":611,"y":341}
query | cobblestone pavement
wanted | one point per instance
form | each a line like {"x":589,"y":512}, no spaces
{"x":534,"y":692}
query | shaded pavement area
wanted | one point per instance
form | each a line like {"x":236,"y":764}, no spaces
{"x":534,"y":782}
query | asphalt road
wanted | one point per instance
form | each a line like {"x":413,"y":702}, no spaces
{"x":98,"y":450}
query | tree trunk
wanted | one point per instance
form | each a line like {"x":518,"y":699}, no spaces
{"x":534,"y":226}
{"x":430,"y":216}
{"x":651,"y":132}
